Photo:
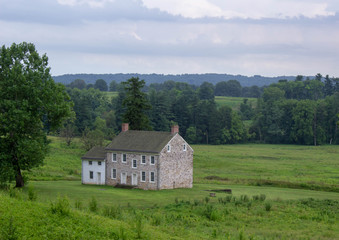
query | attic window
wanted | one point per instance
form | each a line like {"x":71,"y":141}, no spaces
{"x":168,"y":148}
{"x":184,"y":147}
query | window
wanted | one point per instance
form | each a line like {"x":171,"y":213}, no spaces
{"x":114,"y":173}
{"x":134,"y":163}
{"x":124,"y":158}
{"x":99,"y":163}
{"x":184,"y":147}
{"x":90,"y":175}
{"x":168,"y":148}
{"x":89,"y":162}
{"x":151,"y":177}
{"x":114,"y":157}
{"x":152,"y":160}
{"x":143,"y":177}
{"x":143,"y":159}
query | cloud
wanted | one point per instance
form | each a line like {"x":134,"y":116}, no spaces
{"x":244,"y":9}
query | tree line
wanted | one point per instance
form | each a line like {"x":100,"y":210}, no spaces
{"x":303,"y":111}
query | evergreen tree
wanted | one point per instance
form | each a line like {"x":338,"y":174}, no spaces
{"x":136,"y":104}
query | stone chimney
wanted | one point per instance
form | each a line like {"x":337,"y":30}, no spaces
{"x":124,"y":127}
{"x":175,"y":129}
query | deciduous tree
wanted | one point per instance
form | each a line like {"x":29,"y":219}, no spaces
{"x":31,"y":103}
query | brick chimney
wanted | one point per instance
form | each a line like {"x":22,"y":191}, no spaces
{"x":124,"y":127}
{"x":175,"y":129}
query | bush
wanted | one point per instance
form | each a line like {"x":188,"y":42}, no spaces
{"x":112,"y":212}
{"x":93,"y":205}
{"x":262,"y":197}
{"x":78,"y":204}
{"x":61,"y":206}
{"x":32,"y":195}
{"x":268,"y":206}
{"x":15,"y":193}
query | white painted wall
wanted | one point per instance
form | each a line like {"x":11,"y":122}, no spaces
{"x":99,"y":176}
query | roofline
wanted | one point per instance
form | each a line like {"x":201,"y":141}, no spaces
{"x":92,"y":158}
{"x":130,"y":150}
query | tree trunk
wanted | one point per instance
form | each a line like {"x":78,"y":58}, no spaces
{"x":18,"y":177}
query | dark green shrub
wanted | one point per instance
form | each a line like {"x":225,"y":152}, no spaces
{"x":268,"y":206}
{"x":93,"y":205}
{"x":262,"y":197}
{"x":32,"y":195}
{"x":207,"y":199}
{"x":14,"y":193}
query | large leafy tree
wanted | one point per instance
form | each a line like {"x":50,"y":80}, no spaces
{"x":136,"y":104}
{"x":31,"y":104}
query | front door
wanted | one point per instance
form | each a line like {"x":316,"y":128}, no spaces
{"x":134,"y":179}
{"x":123,"y":178}
{"x":99,"y":178}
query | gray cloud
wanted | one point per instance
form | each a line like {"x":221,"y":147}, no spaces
{"x":126,"y":36}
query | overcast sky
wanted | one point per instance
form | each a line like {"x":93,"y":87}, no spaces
{"x":247,"y":37}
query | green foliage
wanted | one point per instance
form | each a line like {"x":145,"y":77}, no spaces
{"x":93,"y":205}
{"x":61,"y":206}
{"x":91,"y":138}
{"x":32,"y":104}
{"x":136,"y":104}
{"x":101,"y":85}
{"x":9,"y":231}
{"x":32,"y":194}
{"x":268,"y":206}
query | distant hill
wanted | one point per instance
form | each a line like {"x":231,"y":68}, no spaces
{"x":194,"y":79}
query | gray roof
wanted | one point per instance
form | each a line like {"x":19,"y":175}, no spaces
{"x":96,"y":153}
{"x":140,"y":141}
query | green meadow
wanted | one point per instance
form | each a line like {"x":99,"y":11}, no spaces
{"x":278,"y":192}
{"x":233,"y":102}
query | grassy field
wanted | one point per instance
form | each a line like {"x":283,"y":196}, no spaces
{"x":263,"y":164}
{"x":271,"y":198}
{"x":233,"y":102}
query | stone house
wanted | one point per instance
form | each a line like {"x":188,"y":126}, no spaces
{"x":147,"y":160}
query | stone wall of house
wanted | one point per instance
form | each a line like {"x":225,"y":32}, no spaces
{"x":126,"y":168}
{"x":176,"y":165}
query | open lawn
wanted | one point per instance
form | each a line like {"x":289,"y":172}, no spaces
{"x":272,"y":198}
